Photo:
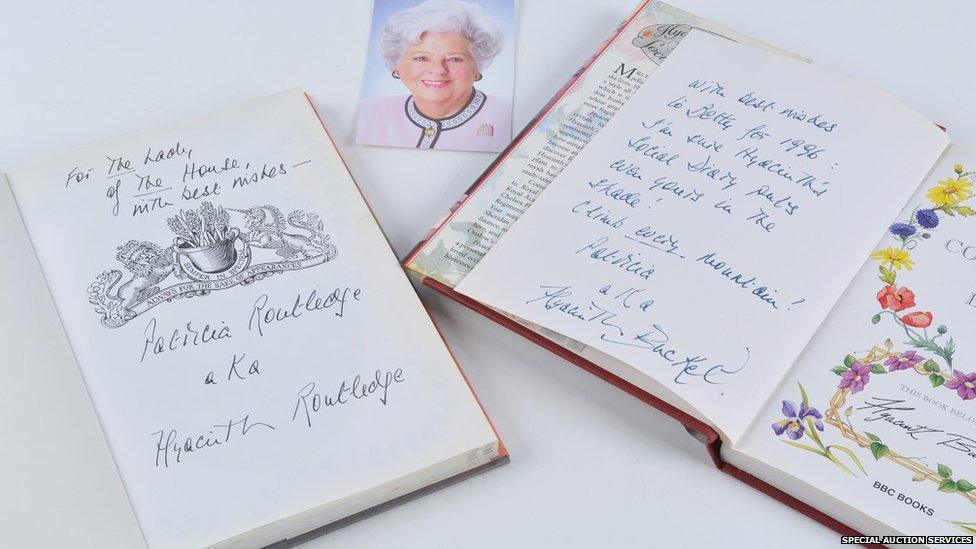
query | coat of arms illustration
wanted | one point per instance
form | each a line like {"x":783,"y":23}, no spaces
{"x":208,"y":253}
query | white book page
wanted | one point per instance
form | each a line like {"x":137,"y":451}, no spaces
{"x":251,"y":358}
{"x":880,"y":409}
{"x":61,"y":487}
{"x":707,"y":229}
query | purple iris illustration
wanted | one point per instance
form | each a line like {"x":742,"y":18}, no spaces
{"x":904,"y":361}
{"x":792,"y":424}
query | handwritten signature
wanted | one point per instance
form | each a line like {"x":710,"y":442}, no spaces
{"x":310,"y":402}
{"x":614,"y":329}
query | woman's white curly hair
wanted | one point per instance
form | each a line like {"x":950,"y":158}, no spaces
{"x":471,"y":21}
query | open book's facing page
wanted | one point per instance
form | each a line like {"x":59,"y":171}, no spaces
{"x":705,"y":232}
{"x":252,"y":348}
{"x":879,"y":410}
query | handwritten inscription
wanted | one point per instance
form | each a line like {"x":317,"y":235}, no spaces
{"x":726,"y":152}
{"x":729,"y":154}
{"x":738,"y":278}
{"x":778,"y":172}
{"x":265,"y":314}
{"x":215,"y":379}
{"x":189,"y":334}
{"x":163,"y":177}
{"x":703,"y":182}
{"x":134,"y":188}
{"x":898,"y":414}
{"x":624,"y":317}
{"x":310,"y":402}
{"x":171,"y":446}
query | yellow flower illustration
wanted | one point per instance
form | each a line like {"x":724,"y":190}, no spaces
{"x":894,"y":257}
{"x":958,"y":169}
{"x":950,"y":192}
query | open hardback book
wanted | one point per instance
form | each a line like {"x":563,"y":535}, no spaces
{"x":780,"y":256}
{"x":209,"y":343}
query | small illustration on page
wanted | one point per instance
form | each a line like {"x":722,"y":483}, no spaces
{"x":209,"y":252}
{"x":657,"y":41}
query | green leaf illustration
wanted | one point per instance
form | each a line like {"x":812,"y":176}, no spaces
{"x":936,"y":380}
{"x":948,"y":486}
{"x":804,"y":447}
{"x":872,"y":436}
{"x":919,"y":477}
{"x":878,"y":450}
{"x":964,"y":485}
{"x":878,"y":369}
{"x":965,"y":211}
{"x":849,"y":360}
{"x":803,"y":394}
{"x":929,"y":345}
{"x":930,"y":365}
{"x":839,"y":370}
{"x":886,"y":275}
{"x":944,"y":471}
{"x":968,"y":527}
{"x":835,"y":447}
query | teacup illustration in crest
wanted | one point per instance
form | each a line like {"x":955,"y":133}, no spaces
{"x":205,"y":237}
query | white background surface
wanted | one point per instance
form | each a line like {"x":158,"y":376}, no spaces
{"x":590,"y":466}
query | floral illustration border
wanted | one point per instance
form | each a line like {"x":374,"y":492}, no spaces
{"x":836,"y":417}
{"x":925,"y":350}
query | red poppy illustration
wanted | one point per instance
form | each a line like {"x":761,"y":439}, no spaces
{"x":896,"y":299}
{"x":918,"y":319}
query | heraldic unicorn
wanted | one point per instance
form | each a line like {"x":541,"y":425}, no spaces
{"x":208,"y":253}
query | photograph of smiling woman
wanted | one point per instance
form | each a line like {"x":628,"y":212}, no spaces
{"x":429,"y":85}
